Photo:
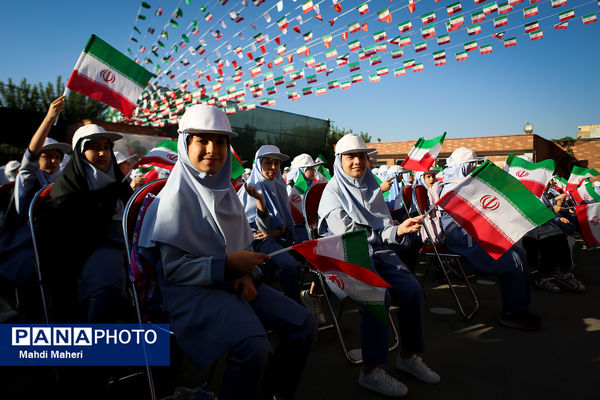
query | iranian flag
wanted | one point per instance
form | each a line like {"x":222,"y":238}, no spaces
{"x":439,"y":54}
{"x":356,"y":78}
{"x":428,"y":18}
{"x":420,"y":46}
{"x":418,"y":67}
{"x":510,"y":42}
{"x":470,"y":46}
{"x":585,"y":194}
{"x":374,"y":78}
{"x":308,"y":6}
{"x":345,"y":85}
{"x":500,"y":21}
{"x":588,"y":216}
{"x":588,"y":19}
{"x":399,"y":72}
{"x":490,"y":8}
{"x":379,"y":36}
{"x":397,"y":53}
{"x":439,"y":61}
{"x":283,"y":23}
{"x":423,"y":154}
{"x":355,"y":27}
{"x":443,"y":39}
{"x":504,"y":8}
{"x":558,"y":3}
{"x":477,"y":17}
{"x":237,"y":168}
{"x":535,"y":176}
{"x":485,"y":49}
{"x":461,"y":56}
{"x":404,"y":41}
{"x":382,"y":71}
{"x":405,"y":26}
{"x":333,"y":84}
{"x":562,"y":25}
{"x":384,"y":15}
{"x":163,"y":156}
{"x":494,"y":208}
{"x":363,"y":8}
{"x":428,"y":32}
{"x":331,"y":54}
{"x":409,"y":63}
{"x":535,"y":35}
{"x":345,"y":261}
{"x":578,"y":174}
{"x":354,"y":45}
{"x":105,"y":74}
{"x":530,"y":11}
{"x":454,"y":8}
{"x":474,"y":30}
{"x":515,"y":2}
{"x":566,"y":15}
{"x":355,"y":66}
{"x":532,"y":26}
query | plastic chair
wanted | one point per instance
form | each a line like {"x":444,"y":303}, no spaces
{"x":130,"y":219}
{"x":438,"y":252}
{"x":310,"y":206}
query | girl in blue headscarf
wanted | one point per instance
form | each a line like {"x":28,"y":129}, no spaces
{"x":196,"y":234}
{"x":511,"y":267}
{"x":274,"y":230}
{"x":352,"y":200}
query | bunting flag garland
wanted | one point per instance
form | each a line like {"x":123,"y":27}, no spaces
{"x":494,"y":208}
{"x":186,"y":41}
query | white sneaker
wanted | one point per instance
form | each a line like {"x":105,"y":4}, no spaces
{"x":313,"y":304}
{"x":416,"y":366}
{"x":381,"y":382}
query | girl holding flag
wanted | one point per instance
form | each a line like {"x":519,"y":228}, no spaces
{"x":352,"y":200}
{"x":196,"y":234}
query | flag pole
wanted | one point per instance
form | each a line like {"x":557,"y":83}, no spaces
{"x":284,"y":250}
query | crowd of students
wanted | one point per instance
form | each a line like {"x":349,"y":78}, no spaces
{"x":210,"y":246}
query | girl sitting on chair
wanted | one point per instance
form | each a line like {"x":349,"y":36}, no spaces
{"x":196,"y":234}
{"x":352,"y":200}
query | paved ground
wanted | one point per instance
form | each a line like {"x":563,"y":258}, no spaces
{"x":476,"y":359}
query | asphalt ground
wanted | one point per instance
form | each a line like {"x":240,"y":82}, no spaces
{"x":476,"y":359}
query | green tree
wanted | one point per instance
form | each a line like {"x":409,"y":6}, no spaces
{"x":336,"y":133}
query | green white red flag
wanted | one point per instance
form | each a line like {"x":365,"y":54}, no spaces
{"x":585,"y":194}
{"x":535,"y":176}
{"x":588,"y":216}
{"x":345,"y":261}
{"x":578,"y":174}
{"x":423,"y":154}
{"x":560,"y":182}
{"x":494,"y":208}
{"x":105,"y":74}
{"x":237,"y":169}
{"x":588,"y":19}
{"x":164,"y":155}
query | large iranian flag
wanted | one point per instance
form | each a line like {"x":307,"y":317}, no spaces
{"x":535,"y":176}
{"x":494,"y":208}
{"x":423,"y":154}
{"x":578,"y":174}
{"x":163,"y":156}
{"x":588,"y":216}
{"x":586,"y":194}
{"x":105,"y":74}
{"x":345,"y":261}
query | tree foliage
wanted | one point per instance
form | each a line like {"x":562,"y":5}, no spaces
{"x":37,"y":97}
{"x":336,"y":133}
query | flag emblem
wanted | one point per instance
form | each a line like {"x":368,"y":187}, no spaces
{"x":489,"y":202}
{"x":107,"y":75}
{"x":522,"y":174}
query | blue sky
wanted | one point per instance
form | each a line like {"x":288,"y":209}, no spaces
{"x":552,"y":83}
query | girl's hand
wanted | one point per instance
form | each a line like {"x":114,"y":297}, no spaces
{"x":410,"y":225}
{"x":244,"y":261}
{"x":245,"y":287}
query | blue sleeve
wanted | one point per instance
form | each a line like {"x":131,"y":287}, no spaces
{"x":27,"y":182}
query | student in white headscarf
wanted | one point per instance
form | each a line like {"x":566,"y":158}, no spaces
{"x":275,"y":229}
{"x":300,"y":177}
{"x":352,"y":200}
{"x":196,"y":234}
{"x":11,"y":169}
{"x":511,"y":267}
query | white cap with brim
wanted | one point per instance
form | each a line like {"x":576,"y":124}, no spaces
{"x":202,"y":118}
{"x":396,"y":169}
{"x":12,"y":165}
{"x":121,"y":158}
{"x":51,"y":144}
{"x":271,"y":151}
{"x":432,"y":171}
{"x":462,"y":155}
{"x":93,"y":131}
{"x":303,"y":161}
{"x":351,"y":144}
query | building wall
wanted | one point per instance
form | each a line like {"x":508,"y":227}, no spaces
{"x":588,"y":131}
{"x":587,"y":152}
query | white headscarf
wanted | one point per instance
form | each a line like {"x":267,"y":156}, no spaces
{"x":274,"y":192}
{"x":360,"y":198}
{"x":197,"y":212}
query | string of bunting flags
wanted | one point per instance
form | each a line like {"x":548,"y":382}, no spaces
{"x":237,"y":54}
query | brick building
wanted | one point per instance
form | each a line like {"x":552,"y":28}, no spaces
{"x":495,"y":149}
